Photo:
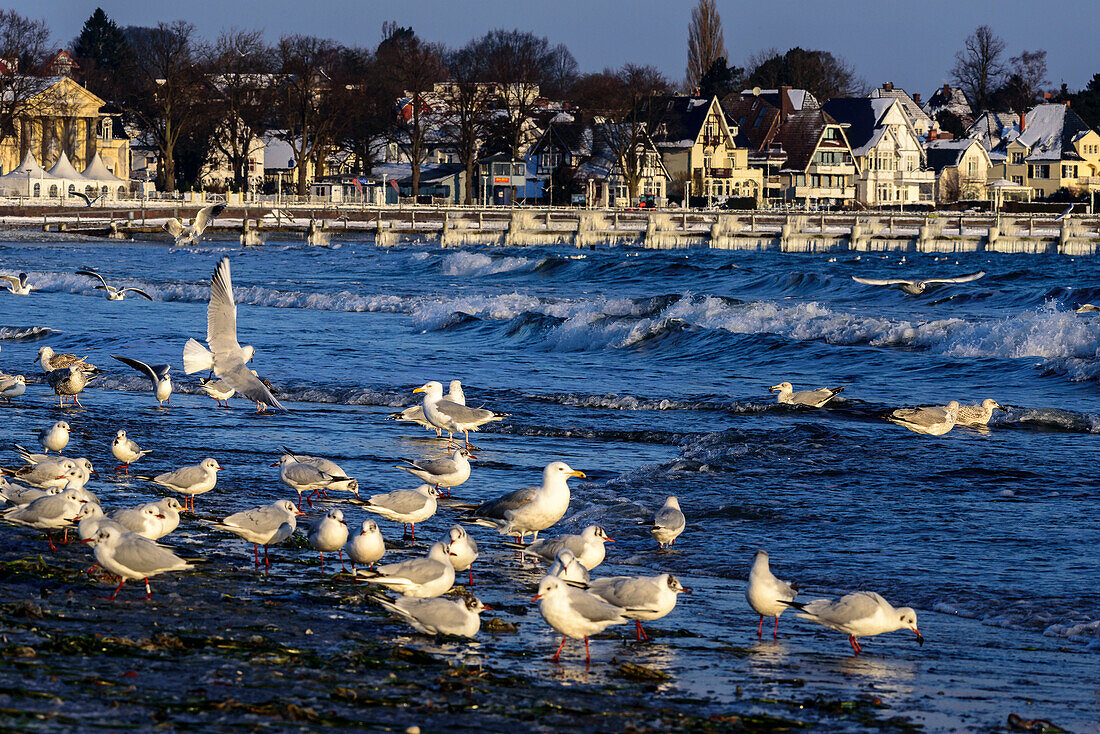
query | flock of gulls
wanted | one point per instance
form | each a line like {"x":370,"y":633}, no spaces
{"x":48,"y":492}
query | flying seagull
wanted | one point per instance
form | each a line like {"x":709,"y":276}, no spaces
{"x":113,"y":293}
{"x":157,"y":374}
{"x":916,"y":287}
{"x":187,"y":235}
{"x":18,"y":286}
{"x":226,"y":357}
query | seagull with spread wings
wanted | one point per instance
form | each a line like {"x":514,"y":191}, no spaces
{"x":18,"y":285}
{"x":915,"y":287}
{"x":226,"y":357}
{"x":187,"y":235}
{"x":157,"y":374}
{"x":113,"y":293}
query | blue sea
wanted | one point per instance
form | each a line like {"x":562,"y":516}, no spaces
{"x":649,"y":371}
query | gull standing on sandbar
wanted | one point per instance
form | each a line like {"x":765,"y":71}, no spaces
{"x":264,"y":526}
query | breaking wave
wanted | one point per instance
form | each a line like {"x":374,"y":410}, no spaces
{"x":25,"y":333}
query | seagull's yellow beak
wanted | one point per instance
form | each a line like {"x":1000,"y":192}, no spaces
{"x":577,"y":474}
{"x":419,"y":389}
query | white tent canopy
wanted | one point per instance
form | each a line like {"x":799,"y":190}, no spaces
{"x":97,"y":171}
{"x":64,"y":169}
{"x":28,"y":179}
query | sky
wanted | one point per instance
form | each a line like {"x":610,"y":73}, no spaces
{"x":910,"y":43}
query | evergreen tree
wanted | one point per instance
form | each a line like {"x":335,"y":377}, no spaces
{"x":104,"y":55}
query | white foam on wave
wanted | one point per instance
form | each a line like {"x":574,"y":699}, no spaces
{"x":25,"y":333}
{"x":475,"y":263}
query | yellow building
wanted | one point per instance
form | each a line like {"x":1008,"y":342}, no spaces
{"x":962,"y":169}
{"x":1051,"y":149}
{"x":62,"y":116}
{"x":698,"y":150}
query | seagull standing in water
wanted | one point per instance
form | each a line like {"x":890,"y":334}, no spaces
{"x":915,"y":287}
{"x":54,"y":438}
{"x":532,"y":509}
{"x":452,"y":417}
{"x":267,"y":525}
{"x":113,"y":293}
{"x":226,"y":357}
{"x":668,"y":523}
{"x":811,"y":398}
{"x":575,"y":613}
{"x":130,"y":556}
{"x":415,"y":413}
{"x":187,"y":235}
{"x":126,"y":450}
{"x":767,"y":595}
{"x":860,"y":614}
{"x":157,"y":374}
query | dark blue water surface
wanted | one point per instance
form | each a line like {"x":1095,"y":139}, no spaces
{"x":649,"y":371}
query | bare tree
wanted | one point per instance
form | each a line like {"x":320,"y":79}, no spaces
{"x":416,"y":66}
{"x":369,"y":116}
{"x":819,"y":72}
{"x":979,"y":66}
{"x":706,"y":42}
{"x":168,"y":91}
{"x":467,"y":95}
{"x":303,"y":102}
{"x":242,"y":82}
{"x":1030,"y":68}
{"x":519,"y":63}
{"x":23,"y":46}
{"x":562,"y":73}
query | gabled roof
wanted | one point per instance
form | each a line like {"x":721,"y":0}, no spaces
{"x":911,"y":108}
{"x":944,"y":153}
{"x":574,"y":137}
{"x":434,"y":174}
{"x":994,"y":128}
{"x":951,"y":99}
{"x":756,"y":120}
{"x":681,"y":120}
{"x":1049,"y":130}
{"x":800,"y":99}
{"x":64,"y":169}
{"x":799,"y":136}
{"x":29,"y":168}
{"x":864,"y":117}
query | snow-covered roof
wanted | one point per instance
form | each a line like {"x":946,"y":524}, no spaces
{"x":96,"y":171}
{"x":64,"y":169}
{"x":1043,"y":127}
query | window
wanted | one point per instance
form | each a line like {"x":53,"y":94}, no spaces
{"x":1017,"y":159}
{"x":38,"y":189}
{"x":1069,"y":171}
{"x":1040,"y":171}
{"x":831,"y":133}
{"x":1018,"y":180}
{"x":518,"y":169}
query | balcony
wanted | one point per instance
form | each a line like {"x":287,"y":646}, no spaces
{"x":832,"y":169}
{"x":818,"y":192}
{"x":720,"y":173}
{"x":712,"y":141}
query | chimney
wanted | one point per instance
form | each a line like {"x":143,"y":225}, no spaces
{"x":946,"y":89}
{"x":785,"y":106}
{"x":916,"y":98}
{"x":888,"y":86}
{"x":931,"y":134}
{"x":1067,"y":103}
{"x":1023,"y":121}
{"x":1046,"y":96}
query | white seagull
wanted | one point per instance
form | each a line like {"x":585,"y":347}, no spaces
{"x":341,"y":481}
{"x":915,"y":287}
{"x":54,"y":438}
{"x":460,"y":617}
{"x":567,"y":567}
{"x":113,"y":293}
{"x":130,"y":556}
{"x":446,"y":473}
{"x":859,"y":614}
{"x":588,"y":548}
{"x":187,"y":235}
{"x":419,"y":577}
{"x":329,"y":534}
{"x":406,"y":506}
{"x":157,"y":374}
{"x":302,"y":477}
{"x":575,"y":613}
{"x":531,"y":509}
{"x":643,"y":598}
{"x":12,"y":386}
{"x":932,"y":420}
{"x":767,"y":595}
{"x":191,"y":480}
{"x":415,"y":413}
{"x":365,"y":547}
{"x":49,"y":512}
{"x":267,"y":525}
{"x":147,"y":520}
{"x":126,"y":450}
{"x":219,"y":390}
{"x":462,"y":549}
{"x":226,"y":357}
{"x":18,"y":286}
{"x":668,"y":523}
{"x":811,"y":398}
{"x":452,"y":417}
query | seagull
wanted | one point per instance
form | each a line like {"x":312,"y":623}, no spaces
{"x":460,"y":617}
{"x":15,"y":495}
{"x":226,"y":356}
{"x":419,"y":577}
{"x":264,"y":526}
{"x":302,"y":477}
{"x":90,"y":518}
{"x":575,"y":613}
{"x":69,"y":381}
{"x":668,"y":523}
{"x":932,"y":420}
{"x":49,"y":512}
{"x":130,"y":556}
{"x":462,"y":549}
{"x":812,"y":398}
{"x":917,"y":287}
{"x":406,"y":506}
{"x":157,"y":374}
{"x":51,"y":360}
{"x":88,"y":200}
{"x":644,"y":598}
{"x":329,"y":534}
{"x":767,"y":595}
{"x":18,"y":285}
{"x":47,"y":474}
{"x":220,"y":390}
{"x":341,"y":481}
{"x":442,"y":472}
{"x":54,"y":438}
{"x":1087,"y":308}
{"x":191,"y":480}
{"x":187,"y":235}
{"x":859,"y":614}
{"x":365,"y":547}
{"x":529,"y":510}
{"x":567,"y":567}
{"x":12,"y":386}
{"x":452,"y":417}
{"x":977,"y":415}
{"x":126,"y":451}
{"x":588,"y":547}
{"x":113,"y":293}
{"x":415,"y":413}
{"x":146,"y":520}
